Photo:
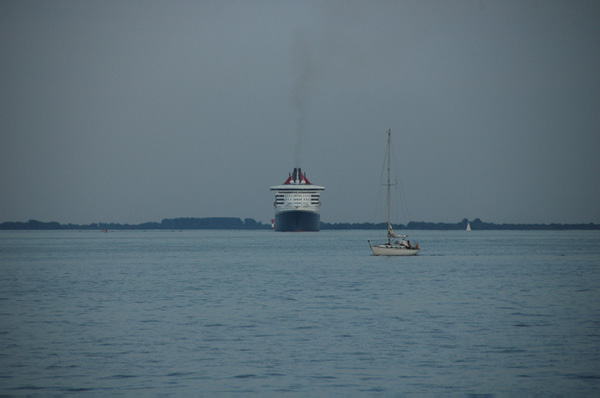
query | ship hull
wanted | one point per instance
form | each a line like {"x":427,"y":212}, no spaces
{"x":297,"y":221}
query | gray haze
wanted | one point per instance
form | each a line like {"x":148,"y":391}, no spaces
{"x":134,"y":111}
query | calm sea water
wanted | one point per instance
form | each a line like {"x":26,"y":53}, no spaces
{"x":221,"y":313}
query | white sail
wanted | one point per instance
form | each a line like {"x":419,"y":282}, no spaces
{"x":392,"y":234}
{"x":468,"y":226}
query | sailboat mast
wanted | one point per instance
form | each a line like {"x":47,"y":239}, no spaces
{"x":388,"y":183}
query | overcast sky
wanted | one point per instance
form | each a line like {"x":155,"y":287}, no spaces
{"x":135,"y":111}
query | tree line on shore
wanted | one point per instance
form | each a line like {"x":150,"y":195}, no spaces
{"x":234,"y":223}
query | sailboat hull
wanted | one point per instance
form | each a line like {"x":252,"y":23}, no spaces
{"x":392,"y":250}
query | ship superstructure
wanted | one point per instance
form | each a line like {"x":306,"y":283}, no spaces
{"x":297,"y":204}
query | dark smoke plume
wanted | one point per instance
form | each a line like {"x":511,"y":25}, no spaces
{"x":301,"y":93}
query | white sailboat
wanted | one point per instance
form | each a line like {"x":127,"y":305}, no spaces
{"x":396,"y":245}
{"x":468,"y":226}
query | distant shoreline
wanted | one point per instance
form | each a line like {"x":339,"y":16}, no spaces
{"x":232,"y":223}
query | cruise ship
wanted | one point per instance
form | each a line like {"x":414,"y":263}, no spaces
{"x":297,"y":204}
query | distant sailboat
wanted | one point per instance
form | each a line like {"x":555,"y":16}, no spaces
{"x":468,"y":226}
{"x":392,"y":247}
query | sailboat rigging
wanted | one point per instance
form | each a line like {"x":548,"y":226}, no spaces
{"x":393,"y":246}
